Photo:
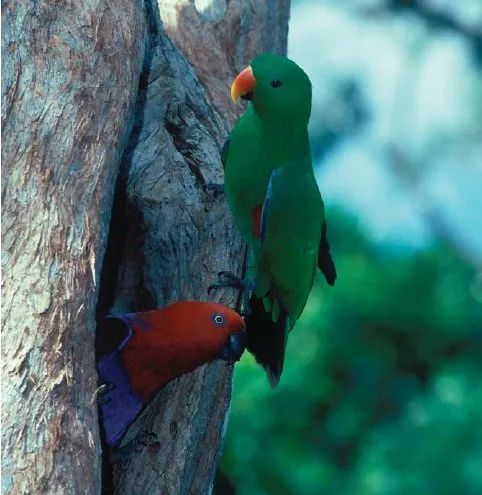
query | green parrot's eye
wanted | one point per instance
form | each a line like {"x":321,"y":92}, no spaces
{"x":275,"y":84}
{"x":218,"y":320}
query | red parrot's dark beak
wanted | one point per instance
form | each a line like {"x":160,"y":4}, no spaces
{"x":243,"y":85}
{"x":234,"y":347}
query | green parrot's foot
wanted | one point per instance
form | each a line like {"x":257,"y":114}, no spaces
{"x":244,"y":285}
{"x":214,"y":189}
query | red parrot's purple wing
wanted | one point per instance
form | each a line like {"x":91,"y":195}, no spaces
{"x":119,"y":405}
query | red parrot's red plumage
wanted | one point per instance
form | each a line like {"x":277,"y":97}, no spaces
{"x":141,"y":352}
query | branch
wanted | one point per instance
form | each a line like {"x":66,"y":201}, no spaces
{"x":435,"y":18}
{"x":435,"y":218}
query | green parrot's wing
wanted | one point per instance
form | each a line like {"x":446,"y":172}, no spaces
{"x":325,"y":261}
{"x":289,"y":235}
{"x":267,"y":329}
{"x":265,"y":210}
{"x":224,"y":152}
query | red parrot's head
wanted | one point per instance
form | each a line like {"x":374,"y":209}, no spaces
{"x":208,"y":329}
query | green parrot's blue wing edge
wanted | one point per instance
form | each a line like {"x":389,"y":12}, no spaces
{"x":224,"y":152}
{"x":266,"y":205}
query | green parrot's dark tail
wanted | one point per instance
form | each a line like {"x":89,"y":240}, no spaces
{"x":267,"y":339}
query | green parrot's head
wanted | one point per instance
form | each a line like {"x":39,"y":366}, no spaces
{"x":279,"y":90}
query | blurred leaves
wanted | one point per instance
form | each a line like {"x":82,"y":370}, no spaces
{"x":340,"y":117}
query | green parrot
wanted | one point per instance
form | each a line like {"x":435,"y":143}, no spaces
{"x":271,"y":190}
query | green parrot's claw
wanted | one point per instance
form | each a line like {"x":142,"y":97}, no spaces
{"x":214,"y":189}
{"x":245,"y":286}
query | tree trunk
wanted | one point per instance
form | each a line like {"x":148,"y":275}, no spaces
{"x":72,"y":75}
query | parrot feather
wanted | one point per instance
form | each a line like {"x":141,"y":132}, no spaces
{"x":267,"y":161}
{"x":265,"y":208}
{"x":267,"y":339}
{"x":224,"y":152}
{"x":325,"y":261}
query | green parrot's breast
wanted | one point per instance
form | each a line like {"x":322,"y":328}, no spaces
{"x":254,"y":152}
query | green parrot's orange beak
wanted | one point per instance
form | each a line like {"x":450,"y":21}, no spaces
{"x":243,"y":85}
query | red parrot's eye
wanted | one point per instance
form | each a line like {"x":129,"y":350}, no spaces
{"x":218,"y":320}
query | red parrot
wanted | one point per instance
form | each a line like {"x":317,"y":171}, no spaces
{"x":138,"y":353}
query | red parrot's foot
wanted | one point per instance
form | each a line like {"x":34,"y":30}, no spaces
{"x":244,"y":285}
{"x":146,"y":440}
{"x":101,"y":394}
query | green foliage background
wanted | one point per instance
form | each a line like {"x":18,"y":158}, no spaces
{"x":382,"y":388}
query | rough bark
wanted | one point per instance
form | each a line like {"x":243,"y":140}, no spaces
{"x":70,"y":76}
{"x":72,"y":73}
{"x":179,"y":232}
{"x":220,"y":37}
